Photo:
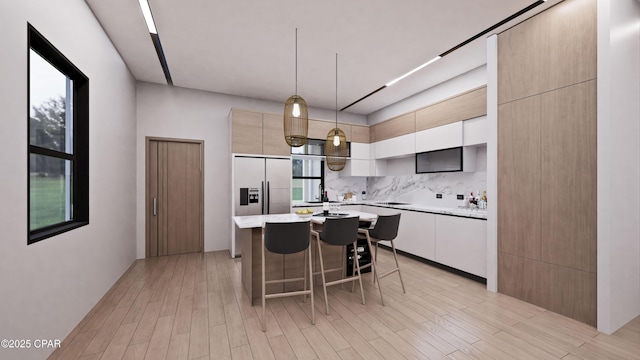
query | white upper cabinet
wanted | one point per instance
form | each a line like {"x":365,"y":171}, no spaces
{"x":441,"y":137}
{"x":475,"y":131}
{"x":360,"y":151}
{"x":395,"y":147}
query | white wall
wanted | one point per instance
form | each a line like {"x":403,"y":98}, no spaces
{"x":461,"y":83}
{"x":174,"y":112}
{"x":618,"y":163}
{"x":49,"y":286}
{"x":492,"y":163}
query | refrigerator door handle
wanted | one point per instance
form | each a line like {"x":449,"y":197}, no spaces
{"x":268,"y":198}
{"x":264,"y":198}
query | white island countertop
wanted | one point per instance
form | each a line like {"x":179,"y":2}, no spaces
{"x":256,"y":221}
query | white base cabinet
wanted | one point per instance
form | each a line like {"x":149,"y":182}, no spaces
{"x":462,"y":244}
{"x":416,"y":233}
{"x":458,"y":242}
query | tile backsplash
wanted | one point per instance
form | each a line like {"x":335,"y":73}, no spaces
{"x":422,"y":189}
{"x":418,"y":189}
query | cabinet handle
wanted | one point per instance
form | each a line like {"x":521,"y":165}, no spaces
{"x":155,"y":206}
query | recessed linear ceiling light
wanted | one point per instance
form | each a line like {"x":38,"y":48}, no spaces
{"x":146,"y":12}
{"x":148,"y":18}
{"x":412,"y":71}
{"x":539,"y":2}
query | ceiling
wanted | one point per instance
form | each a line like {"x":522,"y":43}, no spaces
{"x":247,"y":47}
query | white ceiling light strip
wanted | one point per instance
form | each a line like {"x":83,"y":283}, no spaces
{"x":146,"y":12}
{"x":414,"y":70}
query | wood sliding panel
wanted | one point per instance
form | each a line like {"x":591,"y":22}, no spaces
{"x":401,"y":125}
{"x":273,"y":135}
{"x":465,"y":106}
{"x":569,"y":138}
{"x":553,"y":49}
{"x":519,"y":178}
{"x":360,"y":134}
{"x":246,"y":134}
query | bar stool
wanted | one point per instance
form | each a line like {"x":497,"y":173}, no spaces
{"x":287,"y":238}
{"x":338,"y":232}
{"x":385,"y":229}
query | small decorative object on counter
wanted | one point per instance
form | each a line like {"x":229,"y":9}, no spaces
{"x":484,"y":201}
{"x":472,"y":200}
{"x":364,"y":195}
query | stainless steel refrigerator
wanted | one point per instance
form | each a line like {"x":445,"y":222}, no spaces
{"x":261,"y":185}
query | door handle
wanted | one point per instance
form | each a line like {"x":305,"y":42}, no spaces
{"x":155,"y":206}
{"x":264,"y":199}
{"x":268,"y":198}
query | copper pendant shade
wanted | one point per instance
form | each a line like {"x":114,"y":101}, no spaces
{"x":335,"y":147}
{"x":296,"y":115}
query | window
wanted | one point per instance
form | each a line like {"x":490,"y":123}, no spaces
{"x":58,"y":161}
{"x":308,"y":178}
{"x":308,"y":170}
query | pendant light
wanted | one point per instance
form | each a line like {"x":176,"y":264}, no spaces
{"x":296,"y":115}
{"x":335,"y":147}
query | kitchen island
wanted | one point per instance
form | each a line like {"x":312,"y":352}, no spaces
{"x":249,"y":236}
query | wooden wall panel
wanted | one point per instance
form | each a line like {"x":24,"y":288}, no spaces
{"x":401,"y":125}
{"x":519,"y":178}
{"x":547,"y":192}
{"x":517,"y":277}
{"x":360,"y":133}
{"x":246,"y":132}
{"x":567,"y":291}
{"x":273,"y":135}
{"x":553,"y":49}
{"x":569,"y":139}
{"x":549,"y":286}
{"x":465,"y":106}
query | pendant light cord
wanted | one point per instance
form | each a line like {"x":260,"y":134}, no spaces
{"x":336,"y":93}
{"x":296,"y":61}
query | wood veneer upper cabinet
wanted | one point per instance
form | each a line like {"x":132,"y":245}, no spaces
{"x":246,"y":132}
{"x":273,"y":142}
{"x":319,"y":129}
{"x":569,"y":158}
{"x":464,"y":106}
{"x":401,"y":125}
{"x":533,"y":56}
{"x":360,"y":134}
{"x":519,"y":178}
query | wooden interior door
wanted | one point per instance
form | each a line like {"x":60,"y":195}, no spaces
{"x":174,"y":210}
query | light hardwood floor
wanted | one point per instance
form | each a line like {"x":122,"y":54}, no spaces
{"x":193,"y":307}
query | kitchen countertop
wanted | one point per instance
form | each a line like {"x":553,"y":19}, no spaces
{"x":256,"y":221}
{"x":462,"y":212}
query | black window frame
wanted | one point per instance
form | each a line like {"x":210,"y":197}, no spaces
{"x":80,"y":156}
{"x":321,"y":177}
